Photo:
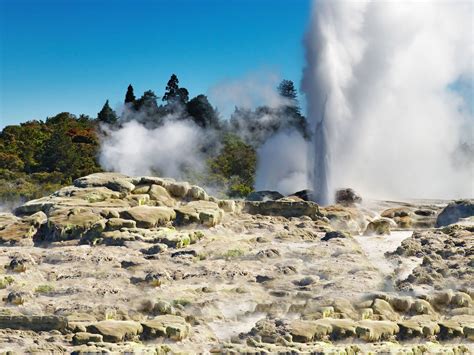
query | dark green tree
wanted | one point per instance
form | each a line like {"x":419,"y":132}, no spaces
{"x":147,"y":103}
{"x":107,"y":115}
{"x":173,"y":93}
{"x":287,"y":90}
{"x":202,"y":112}
{"x":130,"y":96}
{"x":291,"y":109}
{"x":236,"y":165}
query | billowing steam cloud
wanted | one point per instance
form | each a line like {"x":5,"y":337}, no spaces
{"x":381,"y":82}
{"x":168,"y":150}
{"x":172,"y":146}
{"x":283,"y":163}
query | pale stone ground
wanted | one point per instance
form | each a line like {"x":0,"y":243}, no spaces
{"x":251,"y":283}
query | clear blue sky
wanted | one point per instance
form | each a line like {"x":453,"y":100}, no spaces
{"x":72,"y":55}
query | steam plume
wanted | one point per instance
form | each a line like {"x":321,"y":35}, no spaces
{"x":381,"y":82}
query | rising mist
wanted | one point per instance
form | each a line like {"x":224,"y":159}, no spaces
{"x":381,"y":83}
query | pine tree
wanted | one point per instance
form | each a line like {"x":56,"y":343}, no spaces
{"x":291,"y":108}
{"x":171,"y":89}
{"x":174,"y":94}
{"x":107,"y":115}
{"x":130,"y":96}
{"x":287,"y":90}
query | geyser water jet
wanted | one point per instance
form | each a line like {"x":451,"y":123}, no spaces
{"x":381,"y":84}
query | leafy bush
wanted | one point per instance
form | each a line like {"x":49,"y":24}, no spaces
{"x":234,"y":166}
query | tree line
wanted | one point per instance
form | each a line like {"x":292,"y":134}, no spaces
{"x":38,"y":157}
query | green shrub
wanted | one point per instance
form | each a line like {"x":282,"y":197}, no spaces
{"x":233,"y":253}
{"x":44,"y":289}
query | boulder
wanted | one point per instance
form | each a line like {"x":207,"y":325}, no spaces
{"x":169,"y":326}
{"x":305,"y":331}
{"x":178,"y":189}
{"x":384,"y":309}
{"x":148,"y":216}
{"x":119,"y":223}
{"x":378,"y":227}
{"x":396,"y":212}
{"x":204,"y":212}
{"x":285,"y":207}
{"x":89,"y":194}
{"x":335,"y":235}
{"x":347,"y":197}
{"x":36,"y":219}
{"x":72,"y":223}
{"x":113,"y":181}
{"x":341,"y":328}
{"x":141,"y":189}
{"x":81,"y":338}
{"x":371,"y":330}
{"x":161,"y":195}
{"x":305,"y":195}
{"x":196,"y":193}
{"x":115,"y":331}
{"x":15,"y":231}
{"x":33,"y":206}
{"x":410,"y":328}
{"x":264,"y":196}
{"x":453,"y":212}
{"x":227,"y":205}
{"x":345,"y":218}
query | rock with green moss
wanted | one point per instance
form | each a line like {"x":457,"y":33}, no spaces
{"x":116,"y":331}
{"x":304,"y":331}
{"x":81,"y":338}
{"x":14,"y":231}
{"x":72,"y":223}
{"x":149,"y":216}
{"x":119,"y":223}
{"x":202,"y":212}
{"x":168,"y":326}
{"x":372,"y":330}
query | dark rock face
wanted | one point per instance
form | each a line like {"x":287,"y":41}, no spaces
{"x":453,"y":212}
{"x":264,"y":196}
{"x":335,"y":235}
{"x":305,"y":195}
{"x":347,"y":197}
{"x":285,"y":207}
{"x":36,"y":323}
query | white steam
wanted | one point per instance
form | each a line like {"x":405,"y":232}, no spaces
{"x":282,"y":163}
{"x":249,"y":92}
{"x":168,"y":150}
{"x":170,"y":146}
{"x":379,"y":84}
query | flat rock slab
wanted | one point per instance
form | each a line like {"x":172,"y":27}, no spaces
{"x":285,"y":207}
{"x":149,"y":216}
{"x":115,"y":331}
{"x":36,"y":323}
{"x":113,"y":181}
{"x":207,"y":213}
{"x":169,"y":326}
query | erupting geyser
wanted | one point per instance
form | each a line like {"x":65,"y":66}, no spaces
{"x":383,"y":91}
